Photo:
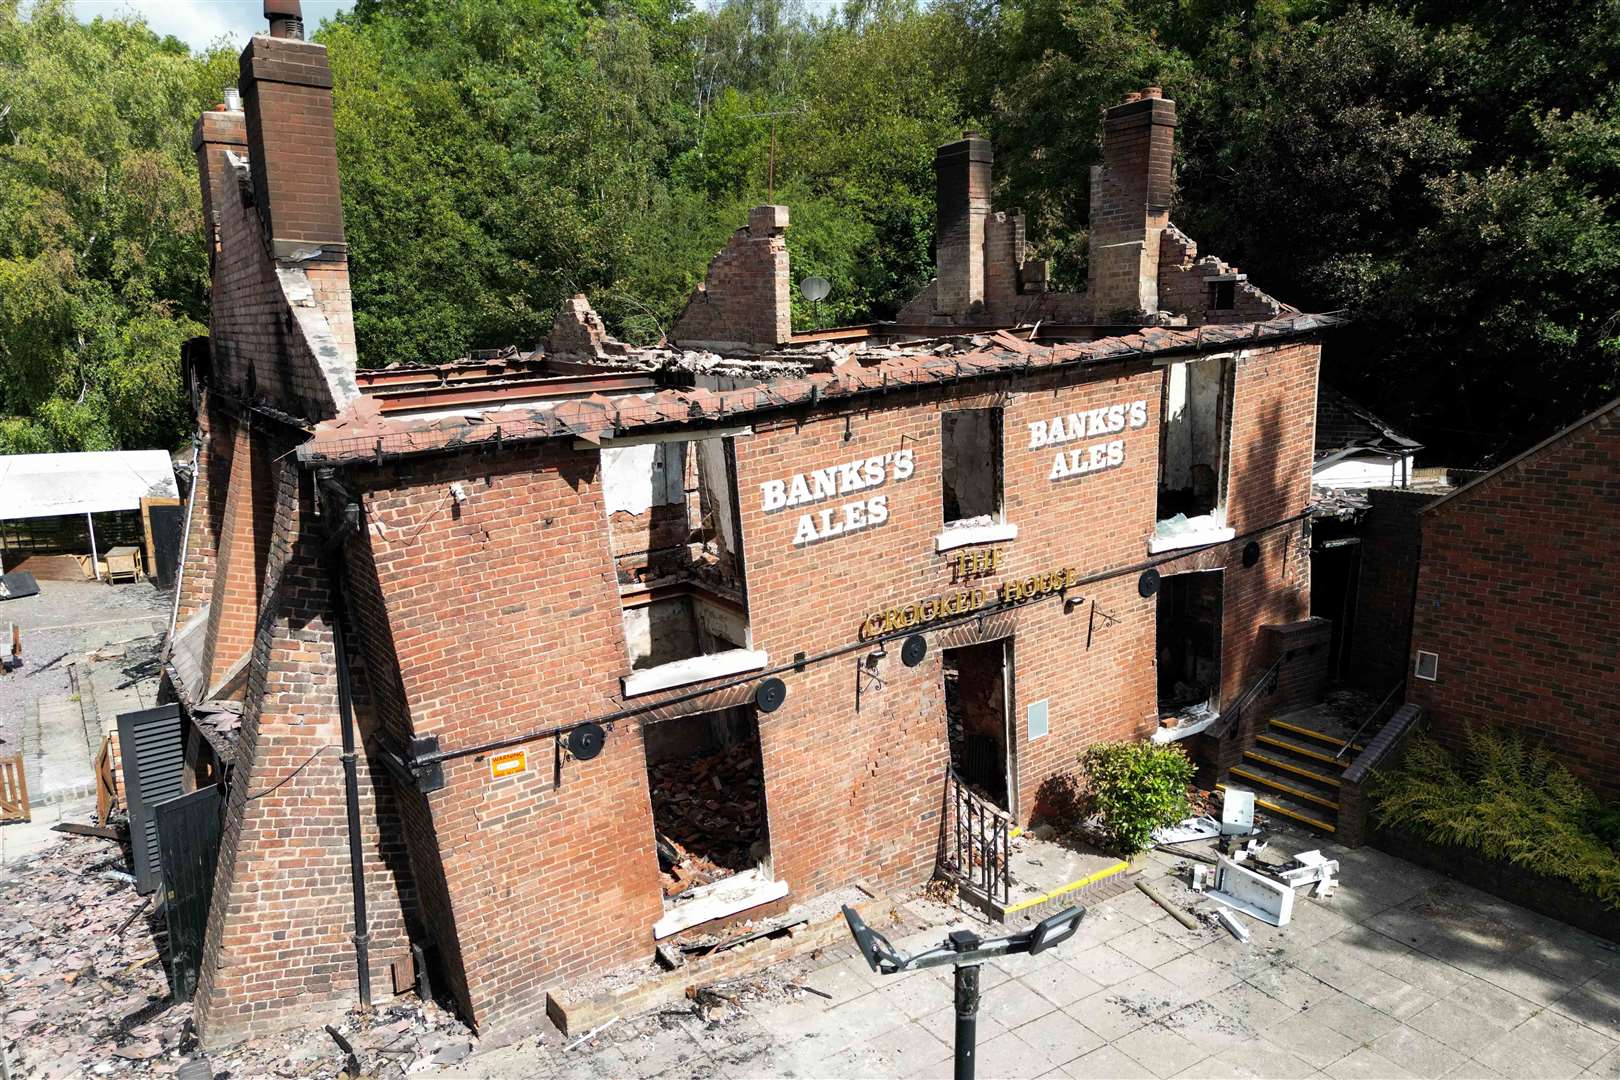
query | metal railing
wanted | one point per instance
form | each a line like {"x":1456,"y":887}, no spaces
{"x":1390,"y":703}
{"x":1264,"y":685}
{"x":976,"y":840}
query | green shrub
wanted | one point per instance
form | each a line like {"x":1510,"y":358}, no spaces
{"x":1507,"y":799}
{"x":1136,"y":788}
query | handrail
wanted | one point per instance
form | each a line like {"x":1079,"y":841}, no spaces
{"x":1396,"y":689}
{"x":1267,"y":680}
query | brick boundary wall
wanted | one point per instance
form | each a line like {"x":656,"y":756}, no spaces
{"x":1518,"y":585}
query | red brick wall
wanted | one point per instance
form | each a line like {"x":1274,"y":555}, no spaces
{"x":505,"y":618}
{"x":278,"y":948}
{"x":745,"y":297}
{"x":243,"y":547}
{"x":1517,"y":594}
{"x":207,"y":510}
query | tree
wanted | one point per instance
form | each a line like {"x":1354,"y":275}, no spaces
{"x":102,"y":257}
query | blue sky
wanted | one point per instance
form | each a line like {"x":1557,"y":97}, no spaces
{"x":201,"y":22}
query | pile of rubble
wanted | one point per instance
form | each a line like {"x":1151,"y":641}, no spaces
{"x":84,"y":991}
{"x":710,"y":812}
{"x":83,"y":983}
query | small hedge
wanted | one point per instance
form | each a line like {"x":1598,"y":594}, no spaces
{"x":1507,"y":799}
{"x":1136,"y":788}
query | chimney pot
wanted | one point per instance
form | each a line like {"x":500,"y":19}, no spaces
{"x":1153,"y":92}
{"x":1132,"y":96}
{"x":286,"y":19}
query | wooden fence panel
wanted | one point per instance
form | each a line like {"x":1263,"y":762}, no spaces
{"x":13,"y":791}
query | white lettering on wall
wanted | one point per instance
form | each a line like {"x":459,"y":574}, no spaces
{"x":1073,"y":427}
{"x":862,"y":474}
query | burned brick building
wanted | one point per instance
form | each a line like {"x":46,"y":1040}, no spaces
{"x":631,"y":639}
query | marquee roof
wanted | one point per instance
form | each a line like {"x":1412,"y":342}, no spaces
{"x":48,"y":485}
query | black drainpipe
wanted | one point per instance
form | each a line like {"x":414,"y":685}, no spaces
{"x":344,"y":520}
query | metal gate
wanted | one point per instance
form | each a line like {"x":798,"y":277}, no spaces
{"x":975,"y":840}
{"x":154,"y":759}
{"x":188,"y":831}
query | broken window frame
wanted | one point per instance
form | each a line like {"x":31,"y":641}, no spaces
{"x":703,"y":597}
{"x":736,"y":892}
{"x":1209,"y":527}
{"x":974,"y":529}
{"x":1168,"y":586}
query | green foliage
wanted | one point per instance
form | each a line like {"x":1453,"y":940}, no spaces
{"x":102,"y":257}
{"x":1505,"y":798}
{"x":1136,"y":788}
{"x":1449,"y":173}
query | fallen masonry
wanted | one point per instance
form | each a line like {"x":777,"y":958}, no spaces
{"x":84,"y":990}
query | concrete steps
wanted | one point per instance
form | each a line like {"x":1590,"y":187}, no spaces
{"x":1294,"y":772}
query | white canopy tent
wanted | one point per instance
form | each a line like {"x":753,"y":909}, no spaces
{"x":57,"y":485}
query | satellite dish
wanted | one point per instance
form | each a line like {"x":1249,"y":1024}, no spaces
{"x":585,"y":741}
{"x":1251,"y":553}
{"x":770,"y":694}
{"x":913,"y":650}
{"x":815,"y":289}
{"x":1148,"y":583}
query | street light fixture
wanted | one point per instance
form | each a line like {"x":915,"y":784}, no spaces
{"x":965,"y":951}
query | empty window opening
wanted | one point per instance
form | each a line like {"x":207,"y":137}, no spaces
{"x":707,"y":782}
{"x":1222,"y":295}
{"x":976,"y":690}
{"x":677,"y":556}
{"x":1189,"y":644}
{"x":1192,"y":453}
{"x":971,"y":451}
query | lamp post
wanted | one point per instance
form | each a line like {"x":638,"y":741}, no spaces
{"x":965,"y":951}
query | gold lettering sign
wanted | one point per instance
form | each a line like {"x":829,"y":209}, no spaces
{"x":966,"y":601}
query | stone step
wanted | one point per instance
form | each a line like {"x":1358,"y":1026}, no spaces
{"x":1314,"y":738}
{"x":1312,"y":816}
{"x":1300,"y":770}
{"x":1274,"y":743}
{"x":1283,"y":784}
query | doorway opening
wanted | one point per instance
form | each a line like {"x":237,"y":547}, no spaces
{"x":978,"y":685}
{"x":707,"y":781}
{"x":1189,"y":644}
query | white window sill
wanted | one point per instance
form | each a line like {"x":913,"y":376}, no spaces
{"x":974,"y":534}
{"x":694,"y":669}
{"x":728,"y":896}
{"x":1178,"y":532}
{"x":1176,"y":734}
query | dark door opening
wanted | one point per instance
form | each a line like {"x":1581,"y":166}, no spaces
{"x":1335,"y":585}
{"x":707,"y":782}
{"x":977,"y":684}
{"x":1189,"y":643}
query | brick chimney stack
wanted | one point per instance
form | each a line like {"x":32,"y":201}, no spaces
{"x":1130,"y":205}
{"x":292,"y":142}
{"x":217,"y":131}
{"x":963,"y":174}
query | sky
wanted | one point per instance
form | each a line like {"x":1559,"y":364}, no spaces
{"x":199,"y":23}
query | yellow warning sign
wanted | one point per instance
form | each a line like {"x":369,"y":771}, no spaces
{"x":509,"y":764}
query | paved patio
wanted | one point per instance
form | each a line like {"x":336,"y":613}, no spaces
{"x":1402,"y":973}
